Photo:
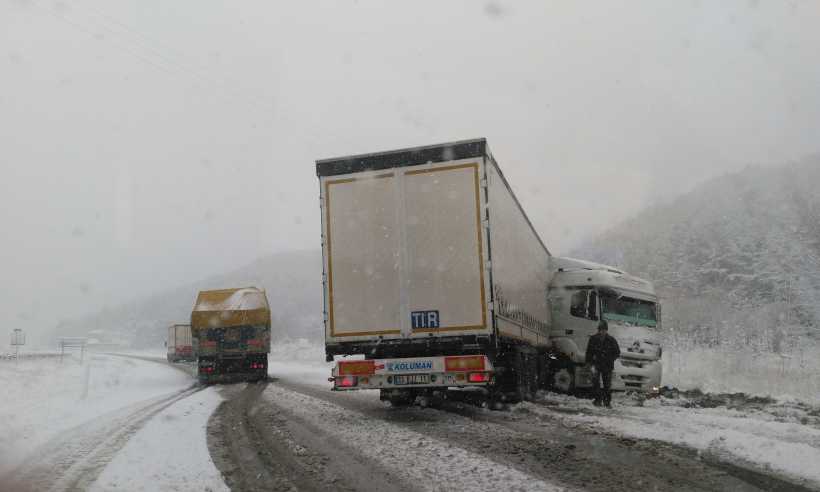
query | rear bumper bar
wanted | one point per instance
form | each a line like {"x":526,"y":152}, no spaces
{"x":413,"y":372}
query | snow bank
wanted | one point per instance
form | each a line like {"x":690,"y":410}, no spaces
{"x":768,"y":437}
{"x":43,"y":398}
{"x":725,"y":369}
{"x":151,"y":461}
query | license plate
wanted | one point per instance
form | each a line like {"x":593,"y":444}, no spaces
{"x":412,"y":379}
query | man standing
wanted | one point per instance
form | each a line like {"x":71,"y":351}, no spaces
{"x":602,"y":350}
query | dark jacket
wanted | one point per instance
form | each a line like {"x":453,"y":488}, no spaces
{"x":602,"y":350}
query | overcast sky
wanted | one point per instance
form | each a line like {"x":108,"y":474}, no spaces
{"x":147,"y":144}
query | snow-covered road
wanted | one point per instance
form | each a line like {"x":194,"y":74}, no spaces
{"x":135,"y":424}
{"x":531,"y":439}
{"x":45,"y":398}
{"x":126,"y":423}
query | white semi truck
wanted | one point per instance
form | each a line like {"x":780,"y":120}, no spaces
{"x":581,"y":293}
{"x":433,"y":275}
{"x":435,"y":278}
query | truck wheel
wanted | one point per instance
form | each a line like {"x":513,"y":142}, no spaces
{"x":543,"y":382}
{"x":496,"y":400}
{"x":526,"y":375}
{"x":564,"y":380}
{"x":532,"y":376}
{"x":398,"y":398}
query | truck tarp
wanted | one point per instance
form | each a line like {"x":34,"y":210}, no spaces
{"x":230,"y":307}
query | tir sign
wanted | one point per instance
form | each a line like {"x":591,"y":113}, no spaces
{"x":424,"y":319}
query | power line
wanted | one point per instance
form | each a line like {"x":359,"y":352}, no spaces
{"x":138,"y":46}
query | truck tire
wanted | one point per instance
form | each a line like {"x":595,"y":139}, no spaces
{"x":526,"y":375}
{"x":564,"y":379}
{"x":398,"y":398}
{"x":543,"y":369}
{"x":521,"y":376}
{"x":516,"y":376}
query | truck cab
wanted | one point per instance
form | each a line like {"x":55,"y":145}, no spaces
{"x":583,"y":293}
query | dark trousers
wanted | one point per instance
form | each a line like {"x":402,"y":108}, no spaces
{"x":602,"y":394}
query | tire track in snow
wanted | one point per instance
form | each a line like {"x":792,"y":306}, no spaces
{"x":552,"y":449}
{"x":73,"y":460}
{"x":257,"y":445}
{"x":429,"y":463}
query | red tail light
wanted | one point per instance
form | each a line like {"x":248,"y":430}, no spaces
{"x":478,"y":377}
{"x":347,"y":381}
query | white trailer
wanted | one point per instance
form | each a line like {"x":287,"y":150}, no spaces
{"x":179,"y":343}
{"x":582,"y":293}
{"x":433,"y":274}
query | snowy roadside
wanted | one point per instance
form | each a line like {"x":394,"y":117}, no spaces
{"x":781,"y":438}
{"x":792,"y":376}
{"x":44,"y":398}
{"x":169,"y":453}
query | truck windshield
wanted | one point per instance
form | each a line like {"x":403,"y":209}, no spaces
{"x":628,"y":310}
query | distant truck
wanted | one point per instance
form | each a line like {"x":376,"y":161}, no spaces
{"x":231,"y":334}
{"x":433,"y":275}
{"x":179,"y":344}
{"x":581,"y":293}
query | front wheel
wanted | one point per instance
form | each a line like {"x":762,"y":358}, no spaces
{"x":564,"y":379}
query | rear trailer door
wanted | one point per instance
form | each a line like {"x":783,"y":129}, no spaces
{"x":444,"y":276}
{"x":183,"y":340}
{"x":405,"y":252}
{"x":361,"y":250}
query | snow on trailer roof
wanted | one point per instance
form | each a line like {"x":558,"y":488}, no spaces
{"x":576,"y":272}
{"x":413,"y":156}
{"x":565,"y":263}
{"x":241,"y":299}
{"x":230,"y":307}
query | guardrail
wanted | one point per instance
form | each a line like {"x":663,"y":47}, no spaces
{"x":27,"y":356}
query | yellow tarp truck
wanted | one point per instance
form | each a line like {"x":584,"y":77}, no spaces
{"x":231,"y":334}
